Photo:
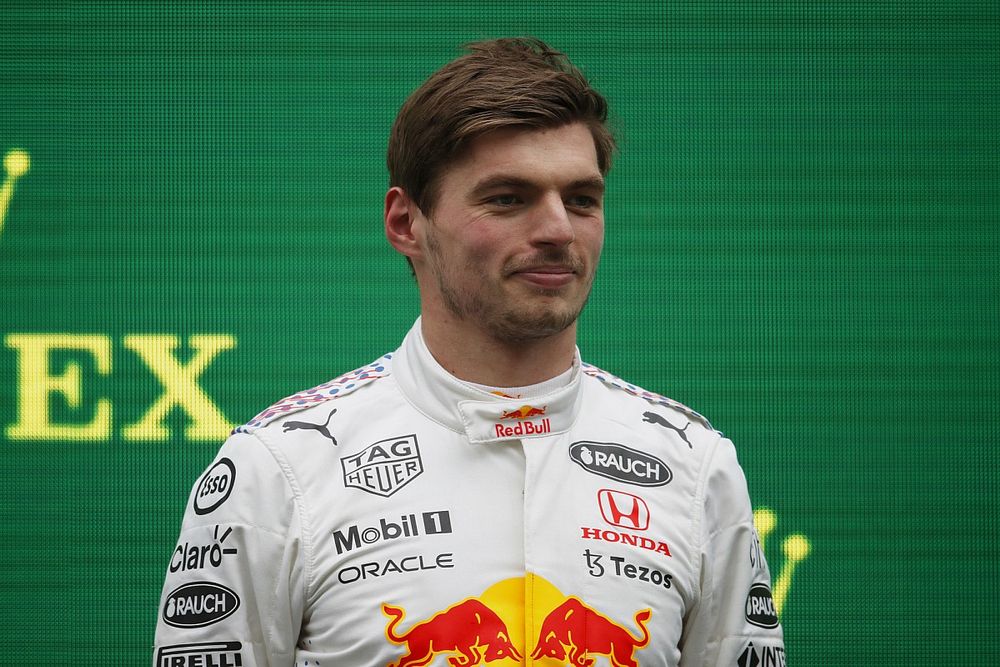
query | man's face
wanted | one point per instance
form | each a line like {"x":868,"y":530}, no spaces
{"x":516,"y":233}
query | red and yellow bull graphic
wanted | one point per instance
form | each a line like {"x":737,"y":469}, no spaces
{"x":524,"y":412}
{"x":499,"y":628}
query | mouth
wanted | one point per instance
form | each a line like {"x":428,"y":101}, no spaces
{"x":547,"y":276}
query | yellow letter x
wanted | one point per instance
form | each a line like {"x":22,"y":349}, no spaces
{"x":180,"y":384}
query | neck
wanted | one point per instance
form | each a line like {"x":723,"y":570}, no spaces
{"x":473,"y":355}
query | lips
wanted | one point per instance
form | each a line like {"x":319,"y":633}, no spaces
{"x":548,"y":276}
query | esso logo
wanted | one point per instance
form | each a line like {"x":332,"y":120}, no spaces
{"x":215,"y":486}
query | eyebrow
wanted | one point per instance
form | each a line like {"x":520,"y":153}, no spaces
{"x":501,"y":181}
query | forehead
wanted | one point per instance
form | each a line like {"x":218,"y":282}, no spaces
{"x":549,"y":155}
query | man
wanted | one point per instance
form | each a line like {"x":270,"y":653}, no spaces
{"x":480,"y":495}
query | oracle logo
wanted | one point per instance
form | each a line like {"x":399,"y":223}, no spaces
{"x":623,"y":509}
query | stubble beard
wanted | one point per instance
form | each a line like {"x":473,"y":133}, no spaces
{"x":505,"y":318}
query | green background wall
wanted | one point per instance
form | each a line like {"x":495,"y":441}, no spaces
{"x":802,"y":245}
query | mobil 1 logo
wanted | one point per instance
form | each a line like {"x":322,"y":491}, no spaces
{"x":202,"y":654}
{"x":409,"y":525}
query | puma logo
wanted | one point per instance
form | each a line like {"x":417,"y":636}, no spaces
{"x":322,"y":428}
{"x":653,"y":418}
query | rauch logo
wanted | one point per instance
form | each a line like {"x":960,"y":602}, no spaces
{"x":620,"y":463}
{"x":198,"y":604}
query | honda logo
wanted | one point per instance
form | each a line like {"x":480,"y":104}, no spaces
{"x":623,"y":509}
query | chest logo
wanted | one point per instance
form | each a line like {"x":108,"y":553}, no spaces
{"x":623,"y":509}
{"x":620,"y":463}
{"x":384,"y":467}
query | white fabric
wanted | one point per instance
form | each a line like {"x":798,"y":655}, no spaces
{"x":410,"y":518}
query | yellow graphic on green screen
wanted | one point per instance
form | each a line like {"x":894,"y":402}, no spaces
{"x":795,"y":548}
{"x":38,"y":384}
{"x":16,"y":164}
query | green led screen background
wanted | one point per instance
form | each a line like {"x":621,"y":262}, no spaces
{"x":802,"y":244}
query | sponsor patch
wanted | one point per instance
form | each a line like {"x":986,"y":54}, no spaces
{"x":653,"y":418}
{"x":756,"y":552}
{"x":204,"y":654}
{"x":384,"y":467}
{"x":323,"y":429}
{"x":623,"y":509}
{"x":429,"y":523}
{"x":599,"y":564}
{"x":524,"y":412}
{"x":215,"y":486}
{"x":469,"y":630}
{"x":353,"y":573}
{"x":191,"y":556}
{"x":616,"y":537}
{"x":761,"y":656}
{"x":760,"y":607}
{"x":524,"y":428}
{"x":198,"y":604}
{"x":620,"y":463}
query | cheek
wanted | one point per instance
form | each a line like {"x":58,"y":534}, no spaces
{"x":483,"y":251}
{"x":592,"y":238}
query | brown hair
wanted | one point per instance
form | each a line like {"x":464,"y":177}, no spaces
{"x":502,"y":83}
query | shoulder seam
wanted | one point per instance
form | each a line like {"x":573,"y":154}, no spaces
{"x":648,"y":396}
{"x":335,"y":388}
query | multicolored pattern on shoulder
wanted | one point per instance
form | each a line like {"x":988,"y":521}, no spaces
{"x":341,"y":386}
{"x":628,"y":387}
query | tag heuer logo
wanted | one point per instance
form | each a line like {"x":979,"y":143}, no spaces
{"x":384,"y":467}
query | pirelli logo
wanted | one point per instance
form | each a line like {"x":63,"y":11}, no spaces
{"x":204,"y":654}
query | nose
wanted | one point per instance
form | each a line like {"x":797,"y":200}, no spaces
{"x":552,"y":224}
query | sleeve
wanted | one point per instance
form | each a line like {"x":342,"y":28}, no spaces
{"x":235,"y":584}
{"x":734,"y":622}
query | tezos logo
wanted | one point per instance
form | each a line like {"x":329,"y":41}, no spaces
{"x":620,"y":463}
{"x":203,"y":654}
{"x":198,"y":604}
{"x":384,"y":467}
{"x":215,"y":486}
{"x":760,"y":607}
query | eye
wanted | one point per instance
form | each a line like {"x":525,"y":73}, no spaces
{"x":504,"y":200}
{"x":582,"y":201}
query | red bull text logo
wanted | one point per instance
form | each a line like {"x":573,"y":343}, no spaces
{"x":523,"y":427}
{"x":474,"y":632}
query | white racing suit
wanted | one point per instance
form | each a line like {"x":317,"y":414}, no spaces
{"x":397,"y":516}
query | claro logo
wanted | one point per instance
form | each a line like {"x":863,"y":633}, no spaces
{"x":620,"y":463}
{"x":198,"y":604}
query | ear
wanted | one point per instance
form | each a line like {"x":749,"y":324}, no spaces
{"x":401,"y":216}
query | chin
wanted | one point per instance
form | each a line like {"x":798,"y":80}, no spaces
{"x":535,"y":325}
